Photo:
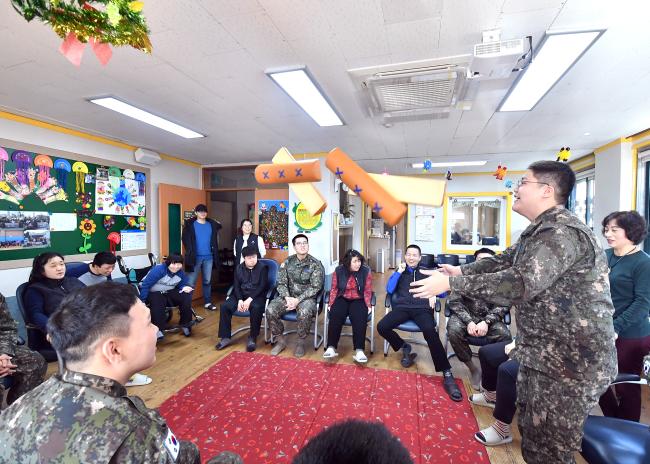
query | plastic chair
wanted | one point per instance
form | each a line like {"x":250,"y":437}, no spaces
{"x":410,"y":325}
{"x":608,"y":440}
{"x":36,"y":340}
{"x":428,"y":261}
{"x":454,"y":260}
{"x":348,"y":323}
{"x":272,"y":273}
{"x":292,"y":316}
{"x":469,"y":259}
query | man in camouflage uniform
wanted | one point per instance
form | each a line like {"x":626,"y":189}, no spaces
{"x":556,"y":277}
{"x":25,"y":367}
{"x":300,"y":278}
{"x":103,"y":334}
{"x":475,"y":318}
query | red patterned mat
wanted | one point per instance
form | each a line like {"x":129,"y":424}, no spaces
{"x":266,"y":408}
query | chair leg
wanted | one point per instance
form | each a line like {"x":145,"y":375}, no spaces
{"x":385,"y":348}
{"x":325,"y":324}
{"x":372,"y":331}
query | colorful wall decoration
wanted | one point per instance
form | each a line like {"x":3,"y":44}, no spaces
{"x":274,"y":223}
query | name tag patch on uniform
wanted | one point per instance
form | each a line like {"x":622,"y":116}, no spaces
{"x":172,"y":444}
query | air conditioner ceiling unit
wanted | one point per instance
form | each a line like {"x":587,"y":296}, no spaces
{"x":496,"y":60}
{"x":417,"y":90}
{"x":144,"y":156}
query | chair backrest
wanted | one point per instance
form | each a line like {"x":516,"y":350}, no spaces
{"x":20,"y":291}
{"x":153,"y":259}
{"x":454,"y":260}
{"x":272,"y":275}
{"x":122,"y":265}
{"x":428,"y":261}
{"x":469,"y":259}
{"x":490,"y":241}
{"x":72,"y":266}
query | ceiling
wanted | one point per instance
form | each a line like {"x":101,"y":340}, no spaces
{"x":209,"y":56}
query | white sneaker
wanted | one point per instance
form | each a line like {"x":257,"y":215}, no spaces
{"x":360,"y":357}
{"x":137,"y":380}
{"x":330,"y":352}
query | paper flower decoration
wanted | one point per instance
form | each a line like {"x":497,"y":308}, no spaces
{"x":87,"y":228}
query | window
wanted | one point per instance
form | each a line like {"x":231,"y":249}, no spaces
{"x":643,"y":190}
{"x":581,"y":200}
{"x":474,"y":221}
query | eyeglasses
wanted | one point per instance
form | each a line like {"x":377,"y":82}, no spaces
{"x":301,"y":243}
{"x":521,"y":182}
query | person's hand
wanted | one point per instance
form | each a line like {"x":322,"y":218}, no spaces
{"x":451,"y":271}
{"x":432,"y":302}
{"x":247,"y":304}
{"x":471,"y":329}
{"x":509,"y":347}
{"x":6,"y":366}
{"x":240,"y":306}
{"x":401,"y":268}
{"x":291,"y":303}
{"x":481,"y":329}
{"x":433,"y":285}
{"x":187,"y":289}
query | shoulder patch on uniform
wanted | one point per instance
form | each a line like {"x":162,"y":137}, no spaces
{"x":172,"y":445}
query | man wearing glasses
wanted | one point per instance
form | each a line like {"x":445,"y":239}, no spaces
{"x":555,"y":276}
{"x":300,"y":278}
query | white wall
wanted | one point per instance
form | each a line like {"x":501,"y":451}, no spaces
{"x":474,"y":183}
{"x":168,"y":172}
{"x":320,"y":240}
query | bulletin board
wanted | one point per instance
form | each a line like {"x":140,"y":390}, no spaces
{"x":52,"y":200}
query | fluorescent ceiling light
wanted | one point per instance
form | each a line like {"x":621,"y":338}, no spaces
{"x":302,"y":89}
{"x":144,"y":116}
{"x":450,"y":164}
{"x":558,"y":52}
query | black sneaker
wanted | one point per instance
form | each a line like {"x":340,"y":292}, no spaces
{"x":408,"y":357}
{"x":187,"y":330}
{"x":210,"y":307}
{"x":251,"y":344}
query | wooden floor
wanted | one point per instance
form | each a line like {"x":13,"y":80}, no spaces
{"x":180,"y":360}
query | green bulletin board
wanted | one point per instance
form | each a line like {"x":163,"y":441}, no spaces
{"x":23,"y":181}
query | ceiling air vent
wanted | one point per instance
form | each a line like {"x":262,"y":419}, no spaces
{"x":414,"y":91}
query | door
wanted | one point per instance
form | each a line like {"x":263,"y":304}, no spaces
{"x":174,"y":229}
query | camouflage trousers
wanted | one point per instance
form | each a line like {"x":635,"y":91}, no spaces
{"x":30,"y":372}
{"x":552,"y":414}
{"x":457,"y":333}
{"x":306,"y":311}
{"x":188,"y":453}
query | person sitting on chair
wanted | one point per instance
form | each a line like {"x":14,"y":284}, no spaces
{"x":475,"y":318}
{"x":350,"y":296}
{"x":98,"y":271}
{"x":420,"y":311}
{"x":48,"y":284}
{"x":300,"y":279}
{"x":103,"y":334}
{"x":26,"y":367}
{"x":165,"y":285}
{"x":248,"y":294}
{"x":499,"y":381}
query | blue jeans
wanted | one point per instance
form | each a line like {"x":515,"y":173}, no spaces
{"x":205,"y":265}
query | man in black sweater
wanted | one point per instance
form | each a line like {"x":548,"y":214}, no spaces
{"x":248,"y":295}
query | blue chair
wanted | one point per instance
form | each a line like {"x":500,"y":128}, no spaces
{"x":493,"y":241}
{"x":272,"y":275}
{"x":72,"y":266}
{"x":428,"y":261}
{"x":469,"y":259}
{"x":454,"y":260}
{"x":36,"y":340}
{"x":348,"y":323}
{"x":292,"y":316}
{"x":608,"y":440}
{"x":410,"y":325}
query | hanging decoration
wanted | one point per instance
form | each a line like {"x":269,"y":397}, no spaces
{"x":44,"y":164}
{"x":500,"y":173}
{"x":508,"y":184}
{"x":109,"y":221}
{"x":4,"y":157}
{"x":62,"y":168}
{"x":141,"y":179}
{"x":80,"y":169}
{"x":128,"y":174}
{"x":84,"y":199}
{"x":87,"y":227}
{"x":564,"y":154}
{"x":427,"y":165}
{"x":113,"y":239}
{"x":23,"y":160}
{"x":448,"y":175}
{"x":114,"y":22}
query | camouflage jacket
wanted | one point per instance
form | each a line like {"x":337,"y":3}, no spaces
{"x":82,"y":418}
{"x":556,"y":277}
{"x":8,"y":331}
{"x":300,"y":279}
{"x":473,"y":310}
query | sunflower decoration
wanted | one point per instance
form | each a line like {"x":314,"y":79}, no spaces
{"x":87,"y":228}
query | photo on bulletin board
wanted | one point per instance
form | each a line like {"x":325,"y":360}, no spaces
{"x":274,"y":224}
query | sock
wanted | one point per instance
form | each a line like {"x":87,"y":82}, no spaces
{"x":502,"y":428}
{"x":447,"y":373}
{"x":490,"y":396}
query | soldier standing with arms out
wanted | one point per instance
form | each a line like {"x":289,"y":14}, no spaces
{"x":103,"y":334}
{"x":300,"y":278}
{"x":26,"y":367}
{"x":556,"y":277}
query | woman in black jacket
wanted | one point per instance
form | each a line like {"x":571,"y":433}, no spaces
{"x":245,"y":238}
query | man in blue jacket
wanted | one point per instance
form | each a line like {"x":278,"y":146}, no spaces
{"x":420,"y":311}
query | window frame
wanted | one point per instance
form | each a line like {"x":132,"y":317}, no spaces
{"x":589,"y":176}
{"x":643,"y":188}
